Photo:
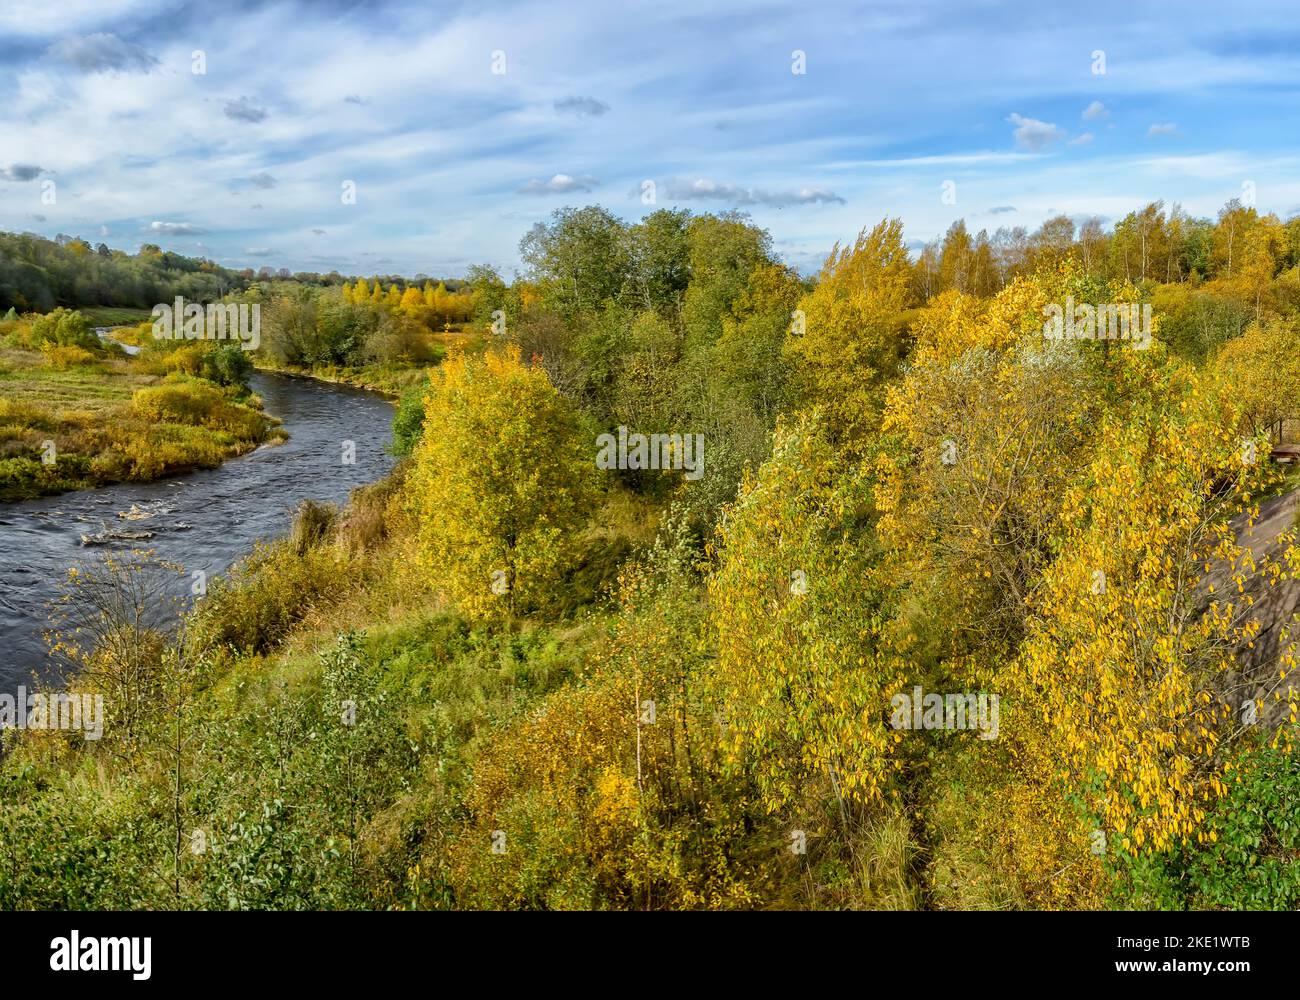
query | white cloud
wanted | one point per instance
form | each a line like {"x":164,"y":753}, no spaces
{"x":560,"y":184}
{"x":1166,"y":128}
{"x":1034,"y":135}
{"x":1096,"y":111}
{"x":40,"y":17}
{"x":704,"y":189}
{"x":176,"y":229}
{"x":1082,"y":139}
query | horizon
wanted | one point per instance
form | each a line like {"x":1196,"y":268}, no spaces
{"x":112,"y":135}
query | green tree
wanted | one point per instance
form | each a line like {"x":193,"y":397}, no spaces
{"x":579,"y":259}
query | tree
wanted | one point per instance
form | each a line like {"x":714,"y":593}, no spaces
{"x":1263,"y":367}
{"x":1235,"y":221}
{"x":747,"y":363}
{"x":659,"y":255}
{"x":579,"y":259}
{"x":955,"y":258}
{"x":724,"y":250}
{"x":804,"y":679}
{"x":487,"y":292}
{"x":1134,"y":629}
{"x":980,"y":436}
{"x":851,"y":344}
{"x":412,"y":302}
{"x":503,"y":479}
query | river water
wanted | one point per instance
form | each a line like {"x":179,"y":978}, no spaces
{"x":203,"y":521}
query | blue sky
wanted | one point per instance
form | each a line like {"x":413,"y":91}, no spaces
{"x":452,"y":162}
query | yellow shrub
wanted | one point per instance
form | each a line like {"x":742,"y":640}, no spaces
{"x":22,"y":414}
{"x":61,"y":356}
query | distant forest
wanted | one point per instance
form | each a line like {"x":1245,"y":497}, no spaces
{"x":37,"y":275}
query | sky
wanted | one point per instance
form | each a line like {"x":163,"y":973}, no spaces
{"x":421,"y":137}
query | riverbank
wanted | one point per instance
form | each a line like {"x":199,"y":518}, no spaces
{"x":336,"y":715}
{"x":388,"y":381}
{"x":83,"y":421}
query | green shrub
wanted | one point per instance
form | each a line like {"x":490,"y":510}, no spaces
{"x":226,"y":364}
{"x":64,"y":327}
{"x":408,"y":419}
{"x":1250,"y":856}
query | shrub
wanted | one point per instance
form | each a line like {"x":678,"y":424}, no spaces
{"x":63,"y":357}
{"x":226,"y":364}
{"x":408,"y":419}
{"x":197,"y":404}
{"x":268,"y":593}
{"x":65,"y":327}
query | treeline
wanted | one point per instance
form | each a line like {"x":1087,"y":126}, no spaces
{"x":1150,"y":244}
{"x":37,"y":275}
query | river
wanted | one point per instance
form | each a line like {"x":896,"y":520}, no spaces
{"x":203,"y":521}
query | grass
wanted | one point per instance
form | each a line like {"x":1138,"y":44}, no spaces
{"x":432,"y":691}
{"x":388,"y":379}
{"x":110,"y":420}
{"x":114,"y":315}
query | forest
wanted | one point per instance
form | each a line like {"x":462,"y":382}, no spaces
{"x":511,"y":676}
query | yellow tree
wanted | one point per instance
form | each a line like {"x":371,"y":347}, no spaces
{"x":980,"y":441}
{"x":848,"y":338}
{"x":1263,"y":367}
{"x":803,"y":680}
{"x":1263,"y":248}
{"x":1133,"y":632}
{"x":412,"y":303}
{"x":502,"y":482}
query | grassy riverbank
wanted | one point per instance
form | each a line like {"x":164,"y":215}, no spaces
{"x":388,"y":380}
{"x":282,"y":805}
{"x":391,"y":378}
{"x":79,"y":415}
